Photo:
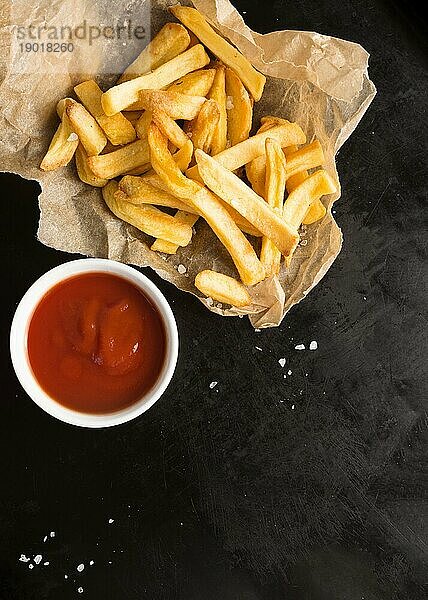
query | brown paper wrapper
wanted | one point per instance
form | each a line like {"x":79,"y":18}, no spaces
{"x":319,"y":81}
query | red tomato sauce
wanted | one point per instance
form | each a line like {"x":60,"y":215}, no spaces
{"x":96,"y":343}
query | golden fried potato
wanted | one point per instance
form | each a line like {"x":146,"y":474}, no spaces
{"x":222,"y":288}
{"x":172,"y":40}
{"x":229,"y":55}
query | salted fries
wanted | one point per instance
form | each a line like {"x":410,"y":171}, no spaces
{"x":170,"y":145}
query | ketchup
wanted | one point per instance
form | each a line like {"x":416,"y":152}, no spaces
{"x":96,"y":343}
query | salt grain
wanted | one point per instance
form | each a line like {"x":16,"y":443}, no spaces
{"x":313,"y":345}
{"x":229,"y":103}
{"x":24,"y":558}
{"x":299,"y":347}
{"x":259,"y":349}
{"x":111,"y":521}
{"x":80,"y":567}
{"x":31,"y":566}
{"x":72,"y":137}
{"x":292,"y":407}
{"x":45,"y":539}
{"x":80,"y":590}
{"x":303,"y":242}
{"x":282,"y":362}
{"x":46,"y":564}
{"x":91,"y":562}
{"x":257,"y":330}
{"x":181,"y":269}
{"x":289,"y":372}
{"x":52,"y":534}
{"x":210,"y":301}
{"x":38,"y":559}
{"x":213,"y":384}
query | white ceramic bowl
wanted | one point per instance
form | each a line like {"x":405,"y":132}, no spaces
{"x":19,"y":334}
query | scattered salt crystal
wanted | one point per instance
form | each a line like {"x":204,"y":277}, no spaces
{"x":52,"y":534}
{"x":292,"y":407}
{"x":219,"y":305}
{"x":80,"y":567}
{"x":80,"y":590}
{"x":181,"y":523}
{"x":46,"y":563}
{"x":285,"y":376}
{"x":210,"y":301}
{"x":31,"y":566}
{"x":91,"y":562}
{"x":282,"y":362}
{"x":38,"y":559}
{"x":257,"y":330}
{"x":281,"y":401}
{"x":257,"y":348}
{"x":213,"y":384}
{"x":299,"y":347}
{"x":72,"y":137}
{"x":24,"y":558}
{"x":229,"y":103}
{"x":313,"y":345}
{"x":303,"y":242}
{"x":181,"y":269}
{"x":45,"y":539}
{"x":365,"y":297}
{"x":111,"y":521}
{"x":289,"y":372}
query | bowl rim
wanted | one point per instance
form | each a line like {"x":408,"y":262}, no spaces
{"x":19,"y":334}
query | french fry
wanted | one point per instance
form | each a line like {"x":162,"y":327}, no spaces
{"x":117,"y":128}
{"x":256,"y":169}
{"x":270,"y":256}
{"x":141,"y":170}
{"x":222,"y":288}
{"x":239,"y":109}
{"x":236,"y":156}
{"x":170,"y":128}
{"x":147,"y":219}
{"x":317,"y":210}
{"x":211,"y":209}
{"x":203,"y":127}
{"x":133,"y":116}
{"x":175,"y":104}
{"x":139,"y":191}
{"x":126,"y":94}
{"x":314,"y":187}
{"x":218,"y":93}
{"x":62,"y":147}
{"x":171,"y":40}
{"x":90,"y":134}
{"x":108,"y":166}
{"x":142,"y":124}
{"x":303,"y":159}
{"x":180,"y":216}
{"x":197,"y":83}
{"x":252,"y":207}
{"x":84,"y":171}
{"x":230,"y":56}
{"x":183,"y":156}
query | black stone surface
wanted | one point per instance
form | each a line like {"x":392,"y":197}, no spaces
{"x":232,"y":493}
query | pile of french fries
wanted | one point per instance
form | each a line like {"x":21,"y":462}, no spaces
{"x":174,"y":133}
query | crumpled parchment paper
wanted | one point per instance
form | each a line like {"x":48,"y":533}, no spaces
{"x":319,"y":81}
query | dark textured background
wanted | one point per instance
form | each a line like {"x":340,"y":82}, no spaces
{"x":229,"y":493}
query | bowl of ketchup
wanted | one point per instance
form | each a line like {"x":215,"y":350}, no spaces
{"x":94,"y":342}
